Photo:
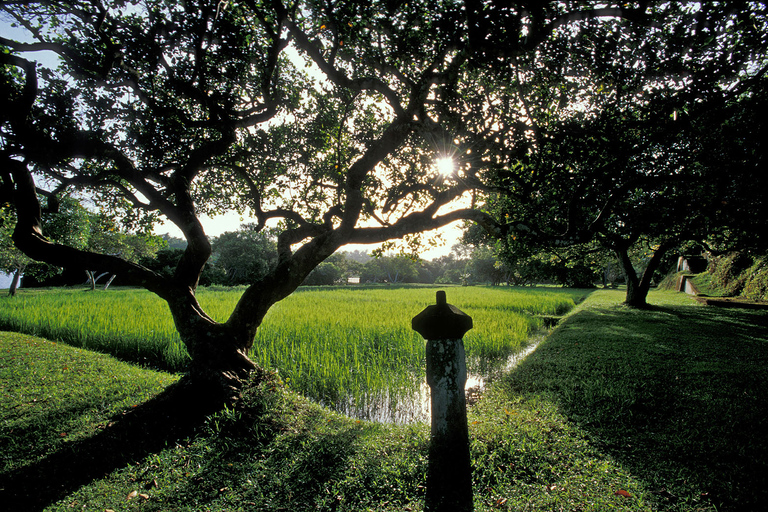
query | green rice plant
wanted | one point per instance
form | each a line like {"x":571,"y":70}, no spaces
{"x":336,"y":345}
{"x":134,"y":325}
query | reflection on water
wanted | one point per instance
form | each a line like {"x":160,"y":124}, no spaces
{"x":405,"y":405}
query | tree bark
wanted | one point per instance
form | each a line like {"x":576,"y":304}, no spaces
{"x":633,"y":297}
{"x":218,"y":351}
{"x":219,"y":363}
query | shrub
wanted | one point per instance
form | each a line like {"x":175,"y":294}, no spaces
{"x":756,"y":282}
{"x":728,"y":272}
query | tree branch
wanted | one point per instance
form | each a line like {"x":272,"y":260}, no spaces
{"x":338,"y":77}
{"x":28,"y":237}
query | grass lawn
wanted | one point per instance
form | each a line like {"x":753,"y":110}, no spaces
{"x":619,"y":409}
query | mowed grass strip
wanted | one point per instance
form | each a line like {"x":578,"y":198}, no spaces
{"x":677,"y":395}
{"x":52,"y":394}
{"x":336,"y":344}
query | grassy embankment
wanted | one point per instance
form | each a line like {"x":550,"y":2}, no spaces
{"x":336,"y":345}
{"x":618,"y":409}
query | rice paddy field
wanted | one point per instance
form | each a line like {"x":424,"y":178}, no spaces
{"x":351,"y":348}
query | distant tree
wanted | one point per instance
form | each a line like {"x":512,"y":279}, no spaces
{"x":574,"y":266}
{"x":358,"y":256}
{"x":174,"y":242}
{"x":66,"y":221}
{"x":245,"y":255}
{"x":390,"y":269}
{"x":340,"y":267}
{"x":12,"y":260}
{"x":107,"y":238}
{"x":69,"y":222}
{"x":486,"y":267}
{"x":325,"y":274}
{"x":449,"y":269}
{"x":349,"y":266}
{"x":163,"y":262}
{"x":428,"y":272}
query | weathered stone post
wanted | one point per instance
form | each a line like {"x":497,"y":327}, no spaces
{"x":449,"y":475}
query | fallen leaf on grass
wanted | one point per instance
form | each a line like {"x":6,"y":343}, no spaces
{"x":132,"y":495}
{"x":500,"y":502}
{"x":622,"y":492}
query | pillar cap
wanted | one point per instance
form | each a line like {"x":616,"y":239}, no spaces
{"x":442,"y":321}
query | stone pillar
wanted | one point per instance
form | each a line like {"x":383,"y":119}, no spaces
{"x":449,"y":475}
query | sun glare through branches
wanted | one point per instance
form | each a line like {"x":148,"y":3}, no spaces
{"x":445,"y":165}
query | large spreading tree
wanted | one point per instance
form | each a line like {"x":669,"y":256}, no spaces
{"x":644,"y":139}
{"x":323,"y":120}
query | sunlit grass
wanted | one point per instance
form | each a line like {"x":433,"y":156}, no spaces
{"x":53,"y":394}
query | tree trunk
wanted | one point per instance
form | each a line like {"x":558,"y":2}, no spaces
{"x":15,"y":281}
{"x":636,"y":293}
{"x":109,"y":281}
{"x":218,"y":351}
{"x":638,"y":287}
{"x":219,"y":364}
{"x":91,"y":279}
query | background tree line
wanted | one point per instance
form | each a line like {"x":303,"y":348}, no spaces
{"x":234,"y":262}
{"x":248,"y":254}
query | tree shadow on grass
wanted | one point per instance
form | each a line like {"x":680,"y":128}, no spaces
{"x":676,"y":394}
{"x":173,"y":415}
{"x":295,"y":474}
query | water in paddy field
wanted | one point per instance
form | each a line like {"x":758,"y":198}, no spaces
{"x":413,"y":405}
